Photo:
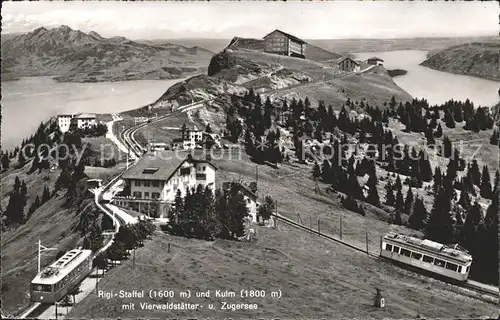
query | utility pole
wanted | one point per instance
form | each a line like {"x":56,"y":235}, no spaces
{"x":40,"y":250}
{"x":133,"y":263}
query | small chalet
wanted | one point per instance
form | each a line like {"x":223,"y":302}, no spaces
{"x":375,"y":61}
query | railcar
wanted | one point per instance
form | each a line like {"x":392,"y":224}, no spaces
{"x":449,"y":261}
{"x":55,"y":281}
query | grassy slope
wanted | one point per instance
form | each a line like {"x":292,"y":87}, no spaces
{"x":52,"y":223}
{"x":340,"y":282}
{"x":474,"y":59}
{"x":375,"y":87}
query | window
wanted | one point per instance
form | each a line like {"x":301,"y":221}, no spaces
{"x":137,"y":194}
{"x":156,"y":183}
{"x":467,"y":270}
{"x":137,"y":183}
{"x":146,"y":183}
{"x":395,"y":249}
{"x":155,"y":195}
{"x":388,"y":247}
{"x":415,"y":255}
{"x":451,"y":266}
{"x":185,"y":171}
{"x":428,"y":259}
{"x":203,"y":168}
{"x":439,"y":262}
{"x":405,"y":252}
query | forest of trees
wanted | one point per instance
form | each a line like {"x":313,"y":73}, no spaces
{"x":205,"y":216}
{"x":454,"y":217}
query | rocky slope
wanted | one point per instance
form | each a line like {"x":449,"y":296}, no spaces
{"x":75,"y":56}
{"x":478,"y":59}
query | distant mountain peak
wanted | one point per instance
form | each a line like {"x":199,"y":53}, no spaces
{"x":39,"y":30}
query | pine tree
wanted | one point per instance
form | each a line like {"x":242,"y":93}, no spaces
{"x":326,"y":172}
{"x":437,"y":179}
{"x":398,"y":220}
{"x":408,"y":201}
{"x":45,"y":194}
{"x":5,"y":161}
{"x":14,"y":212}
{"x":399,"y":203}
{"x":447,"y":147}
{"x":390,"y":199}
{"x":373,"y":197}
{"x":486,"y":184}
{"x":469,"y":232}
{"x":475,"y":174}
{"x":21,"y":159}
{"x":464,"y":200}
{"x":354,"y":189}
{"x":425,"y":166}
{"x":419,"y":216}
{"x":441,"y":225}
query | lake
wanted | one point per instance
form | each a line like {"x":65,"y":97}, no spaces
{"x":28,"y":101}
{"x":435,"y":86}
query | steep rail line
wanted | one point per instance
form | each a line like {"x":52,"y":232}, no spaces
{"x":471,"y":285}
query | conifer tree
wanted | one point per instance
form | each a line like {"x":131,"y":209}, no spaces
{"x":419,"y":216}
{"x":425,"y":166}
{"x":486,"y":183}
{"x":437,"y":179}
{"x":475,"y":174}
{"x":373,"y":197}
{"x":469,"y":233}
{"x":440,"y":227}
{"x":408,"y":201}
{"x":389,"y":198}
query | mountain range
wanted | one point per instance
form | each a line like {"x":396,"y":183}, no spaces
{"x":75,"y":56}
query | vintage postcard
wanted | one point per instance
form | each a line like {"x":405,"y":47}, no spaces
{"x":250,"y":160}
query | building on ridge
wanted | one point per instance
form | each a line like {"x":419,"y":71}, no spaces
{"x":282,"y":43}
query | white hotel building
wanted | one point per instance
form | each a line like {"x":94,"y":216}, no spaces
{"x":159,"y":175}
{"x":71,"y":121}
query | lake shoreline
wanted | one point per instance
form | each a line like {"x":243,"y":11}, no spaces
{"x":485,"y":77}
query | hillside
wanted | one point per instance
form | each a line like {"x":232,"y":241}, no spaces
{"x":340,"y":281}
{"x":75,"y":56}
{"x":478,"y":59}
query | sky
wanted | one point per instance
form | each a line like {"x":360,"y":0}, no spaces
{"x":254,"y":19}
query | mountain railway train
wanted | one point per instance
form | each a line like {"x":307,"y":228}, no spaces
{"x":451,"y":262}
{"x":57,"y":280}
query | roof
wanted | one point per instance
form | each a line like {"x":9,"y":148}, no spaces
{"x":375,"y":58}
{"x":59,"y":269}
{"x":347,"y":58}
{"x":65,"y":115}
{"x":288,"y":35}
{"x":85,"y":116}
{"x":167,"y":162}
{"x":241,"y":187}
{"x":453,"y":252}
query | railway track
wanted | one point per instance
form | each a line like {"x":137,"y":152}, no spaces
{"x":471,"y":285}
